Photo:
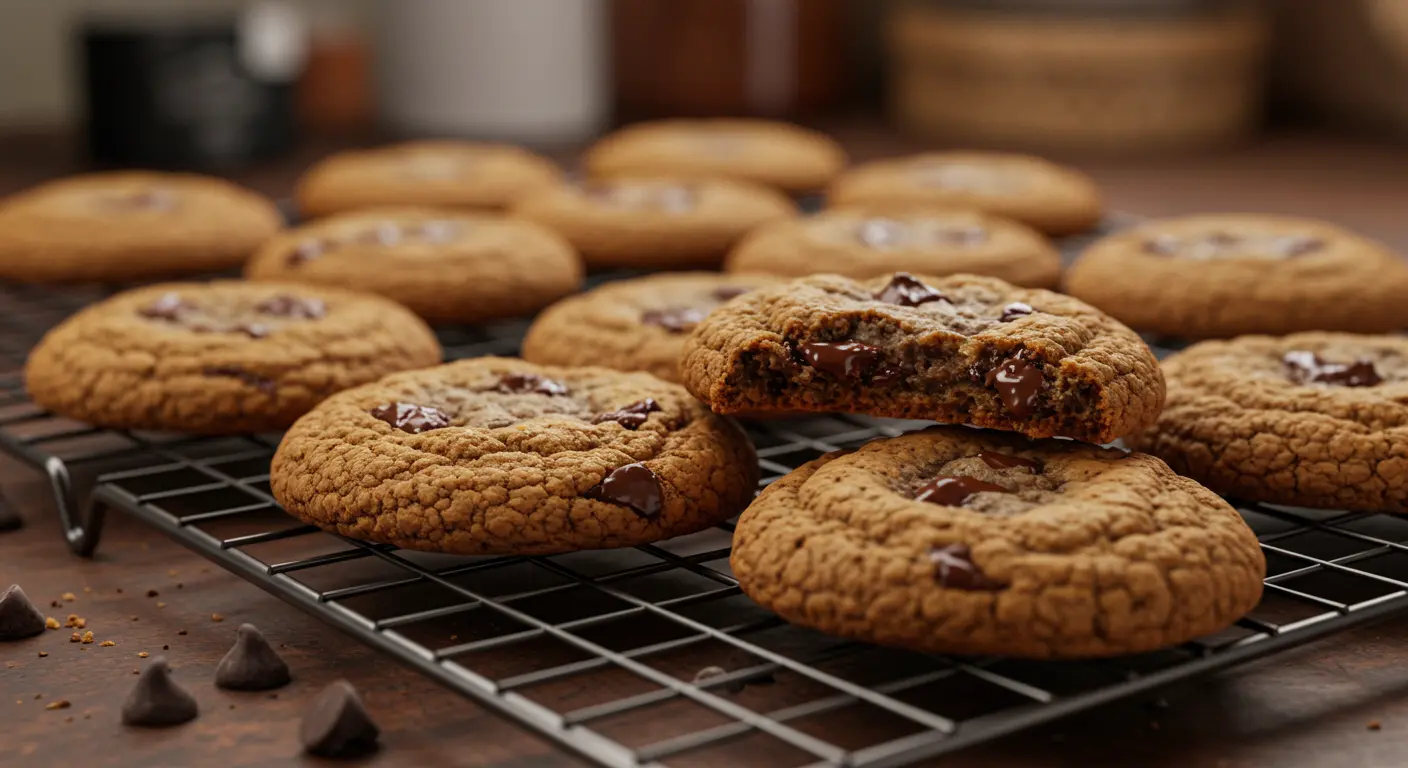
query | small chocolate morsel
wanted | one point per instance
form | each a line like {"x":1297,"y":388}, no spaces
{"x":18,"y":616}
{"x":409,"y":417}
{"x":1015,"y":310}
{"x":157,"y":700}
{"x":337,"y":724}
{"x":954,"y":567}
{"x":709,"y":673}
{"x":727,"y":292}
{"x":845,"y":359}
{"x":1018,"y":383}
{"x":1005,"y":461}
{"x":674,"y":320}
{"x":251,"y":664}
{"x":260,"y":383}
{"x":168,"y":306}
{"x":952,"y":491}
{"x":907,"y":291}
{"x":633,"y":486}
{"x":1304,"y":367}
{"x":286,"y":305}
{"x":631,"y":416}
{"x":529,"y":384}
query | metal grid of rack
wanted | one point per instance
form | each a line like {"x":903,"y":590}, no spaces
{"x":602,"y":652}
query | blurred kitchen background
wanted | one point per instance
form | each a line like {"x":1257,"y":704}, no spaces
{"x":1274,"y":105}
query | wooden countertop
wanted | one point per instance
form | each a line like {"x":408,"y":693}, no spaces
{"x":1310,"y":706}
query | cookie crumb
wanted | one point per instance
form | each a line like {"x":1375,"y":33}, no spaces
{"x":52,"y":623}
{"x":68,"y":719}
{"x":142,"y":654}
{"x":68,"y":597}
{"x":1374,"y":725}
{"x":179,"y":585}
{"x":216,"y":617}
{"x":171,"y":572}
{"x":152,"y":593}
{"x":75,"y":638}
{"x":87,"y":590}
{"x":106,"y":644}
{"x":42,"y":654}
{"x":38,"y":695}
{"x":75,"y":622}
{"x":55,"y":604}
{"x":60,"y":704}
{"x":135,"y":618}
{"x":119,"y":590}
{"x":88,"y":636}
{"x":181,"y":632}
{"x":161,"y":605}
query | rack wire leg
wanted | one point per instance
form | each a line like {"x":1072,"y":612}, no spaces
{"x":83,"y":528}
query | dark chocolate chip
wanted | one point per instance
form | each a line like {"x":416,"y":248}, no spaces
{"x":168,"y":306}
{"x":310,"y":249}
{"x":529,"y":384}
{"x":18,"y":616}
{"x":1304,"y":367}
{"x":727,"y":292}
{"x":1004,"y":461}
{"x":952,"y":491}
{"x":285,"y":305}
{"x":337,"y":724}
{"x":1015,"y":310}
{"x":633,"y":486}
{"x":631,"y":416}
{"x":907,"y":291}
{"x":409,"y":417}
{"x":157,"y":700}
{"x":251,"y":664}
{"x":1018,"y":383}
{"x":846,"y":359}
{"x":267,"y":386}
{"x":675,"y":320}
{"x":954,"y":567}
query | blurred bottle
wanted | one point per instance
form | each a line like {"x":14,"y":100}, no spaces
{"x":772,"y":58}
{"x":521,"y":70}
{"x":335,"y":95}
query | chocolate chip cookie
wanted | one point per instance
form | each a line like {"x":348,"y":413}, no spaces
{"x":124,"y":227}
{"x":654,"y":223}
{"x":775,"y":154}
{"x":499,"y":456}
{"x":1222,"y":275}
{"x":959,"y":349}
{"x":220,"y":358}
{"x":447,"y":267}
{"x":1312,"y":419}
{"x":861,"y":244}
{"x":633,"y":325}
{"x":1051,"y":198}
{"x":952,"y":540}
{"x":438,"y":174}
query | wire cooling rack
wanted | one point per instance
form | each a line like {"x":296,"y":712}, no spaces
{"x":651,"y":655}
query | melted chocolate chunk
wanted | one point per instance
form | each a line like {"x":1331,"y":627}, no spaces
{"x":633,"y":486}
{"x":906,"y":290}
{"x":156,"y":700}
{"x":1018,"y":383}
{"x":285,"y":305}
{"x":529,"y":384}
{"x":726,"y":292}
{"x":260,"y":383}
{"x":251,"y":664}
{"x":337,"y":724}
{"x":1005,"y":461}
{"x":18,"y":616}
{"x":677,"y":320}
{"x":168,"y":306}
{"x":954,"y":567}
{"x":845,"y":359}
{"x":409,"y":417}
{"x":952,"y":491}
{"x":632,"y":416}
{"x":1015,"y":310}
{"x":1305,"y":367}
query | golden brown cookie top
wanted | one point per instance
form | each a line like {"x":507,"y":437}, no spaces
{"x":657,"y":201}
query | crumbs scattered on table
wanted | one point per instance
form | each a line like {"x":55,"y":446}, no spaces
{"x":60,"y":704}
{"x":68,"y":597}
{"x":52,"y":623}
{"x":106,"y":644}
{"x":142,"y":654}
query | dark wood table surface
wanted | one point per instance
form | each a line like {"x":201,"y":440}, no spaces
{"x":1340,"y":701}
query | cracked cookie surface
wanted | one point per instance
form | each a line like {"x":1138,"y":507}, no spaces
{"x":220,"y":358}
{"x":499,"y":456}
{"x":128,"y":226}
{"x":1311,"y":419}
{"x":633,"y":325}
{"x":957,"y":349}
{"x":446,"y":266}
{"x":436,"y":174}
{"x":775,"y":154}
{"x":1223,"y":275}
{"x":652,"y":223}
{"x":1048,"y":197}
{"x":951,"y":540}
{"x":860,"y":244}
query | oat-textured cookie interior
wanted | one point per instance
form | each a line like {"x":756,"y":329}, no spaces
{"x":951,"y":540}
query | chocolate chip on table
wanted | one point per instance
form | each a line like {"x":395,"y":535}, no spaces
{"x":954,"y":567}
{"x":412,"y":418}
{"x":529,"y":384}
{"x":633,"y":486}
{"x":251,"y":664}
{"x":286,"y":305}
{"x":1015,"y":310}
{"x":1006,"y":461}
{"x":19,"y":618}
{"x":906,"y":290}
{"x":952,"y":491}
{"x":1305,"y":367}
{"x":337,"y":724}
{"x":631,"y":416}
{"x":676,"y":320}
{"x":157,"y":700}
{"x":1018,"y":383}
{"x":846,"y":359}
